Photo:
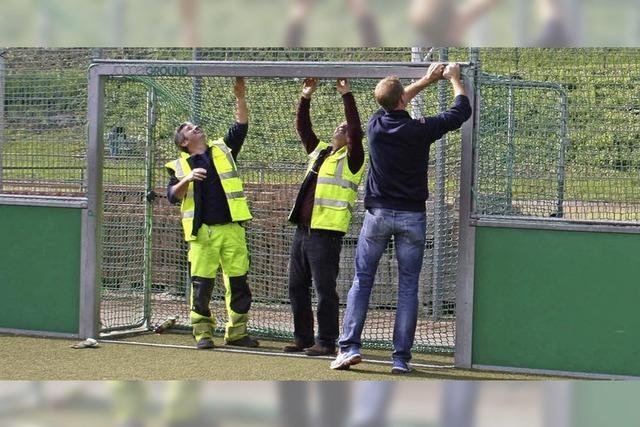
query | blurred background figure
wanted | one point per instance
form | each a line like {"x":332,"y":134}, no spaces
{"x":336,"y":407}
{"x":297,"y":409}
{"x":182,"y":406}
{"x":359,"y":8}
{"x":372,"y":402}
{"x":458,"y":404}
{"x":444,"y":23}
{"x":554,"y":24}
{"x":449,"y":23}
{"x":439,"y":23}
{"x":189,"y":12}
{"x":119,"y":11}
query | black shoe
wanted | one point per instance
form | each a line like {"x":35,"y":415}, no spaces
{"x":295,"y":348}
{"x":245,"y":341}
{"x":320,"y":350}
{"x":204,"y":344}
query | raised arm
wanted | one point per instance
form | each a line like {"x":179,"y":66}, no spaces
{"x":238,"y":131}
{"x":303,"y":117}
{"x":355,"y":151}
{"x":452,"y":73}
{"x":434,"y":73}
{"x":435,"y":127}
{"x":240,"y":91}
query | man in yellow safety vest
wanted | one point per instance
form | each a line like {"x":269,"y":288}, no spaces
{"x":213,"y":206}
{"x":322,"y":212}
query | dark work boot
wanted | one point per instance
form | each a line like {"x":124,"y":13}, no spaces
{"x":205,"y":344}
{"x":320,"y":350}
{"x":292,"y":348}
{"x":245,"y":341}
{"x":296,"y":347}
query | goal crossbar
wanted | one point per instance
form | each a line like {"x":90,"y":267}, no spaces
{"x":293,"y":69}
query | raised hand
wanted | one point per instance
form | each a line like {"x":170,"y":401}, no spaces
{"x":434,"y":73}
{"x":342,"y":85}
{"x":309,"y":86}
{"x":452,"y":72}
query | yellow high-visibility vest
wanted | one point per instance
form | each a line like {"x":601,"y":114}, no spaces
{"x":336,"y":191}
{"x":229,"y":177}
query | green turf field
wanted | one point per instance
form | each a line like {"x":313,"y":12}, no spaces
{"x":52,"y":359}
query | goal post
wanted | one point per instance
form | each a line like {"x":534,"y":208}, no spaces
{"x":272,"y":179}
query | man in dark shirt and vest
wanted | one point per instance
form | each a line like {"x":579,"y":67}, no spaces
{"x":322,"y":212}
{"x":395,"y":202}
{"x":213,"y":205}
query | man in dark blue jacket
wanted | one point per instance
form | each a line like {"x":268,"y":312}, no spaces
{"x":395,"y":201}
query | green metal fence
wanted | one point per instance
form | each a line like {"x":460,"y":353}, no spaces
{"x":556,"y":141}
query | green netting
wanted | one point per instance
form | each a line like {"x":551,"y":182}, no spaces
{"x":518,"y":156}
{"x":42,"y":121}
{"x":519,"y":169}
{"x":272,"y":164}
{"x":559,"y":134}
{"x":43,"y":146}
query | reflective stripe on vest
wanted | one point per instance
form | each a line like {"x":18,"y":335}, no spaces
{"x":230,"y":180}
{"x":232,"y":174}
{"x":336,"y":190}
{"x":333,"y":203}
{"x":337,"y":178}
{"x":178,"y":169}
{"x":314,"y":155}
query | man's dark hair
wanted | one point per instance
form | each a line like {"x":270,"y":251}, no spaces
{"x":178,"y":137}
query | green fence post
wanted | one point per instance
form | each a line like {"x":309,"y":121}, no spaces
{"x":196,"y":97}
{"x":564,"y":113}
{"x":440,"y":204}
{"x":2,"y":121}
{"x":91,"y":254}
{"x":467,"y":244}
{"x":511,"y":148}
{"x":148,"y":207}
{"x":417,"y":106}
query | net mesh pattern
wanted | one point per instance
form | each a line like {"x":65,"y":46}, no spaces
{"x":272,"y":164}
{"x":558,"y":137}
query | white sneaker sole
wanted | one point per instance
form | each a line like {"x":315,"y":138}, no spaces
{"x":347,"y":363}
{"x":400,"y":370}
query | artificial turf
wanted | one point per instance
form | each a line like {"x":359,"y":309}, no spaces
{"x":29,"y":358}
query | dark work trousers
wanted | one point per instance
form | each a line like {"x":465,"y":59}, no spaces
{"x":315,"y":255}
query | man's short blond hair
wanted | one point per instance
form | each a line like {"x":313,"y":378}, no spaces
{"x":389,"y":92}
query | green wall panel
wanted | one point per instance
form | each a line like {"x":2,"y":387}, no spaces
{"x":40,"y":268}
{"x":557,"y":300}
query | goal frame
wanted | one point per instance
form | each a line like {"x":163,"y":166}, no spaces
{"x":101,"y":70}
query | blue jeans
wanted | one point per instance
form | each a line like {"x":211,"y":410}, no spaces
{"x":409,"y":233}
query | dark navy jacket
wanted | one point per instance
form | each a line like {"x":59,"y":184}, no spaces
{"x":399,"y":155}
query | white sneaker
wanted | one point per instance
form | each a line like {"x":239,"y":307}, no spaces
{"x":346,"y":360}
